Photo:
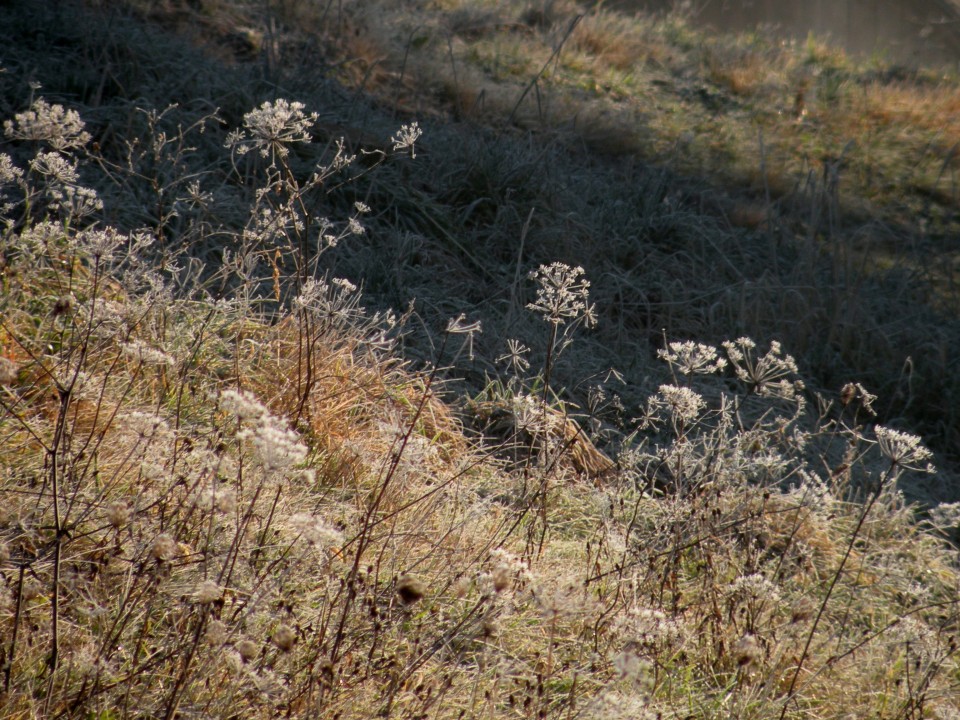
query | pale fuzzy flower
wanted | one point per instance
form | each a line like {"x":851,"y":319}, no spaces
{"x":406,"y":137}
{"x":345,"y":285}
{"x":146,"y":425}
{"x":562,"y":293}
{"x":649,"y":630}
{"x":118,"y":513}
{"x":284,"y":637}
{"x":78,"y":202}
{"x":361,"y":207}
{"x":271,"y":127}
{"x":684,"y":403}
{"x":207,"y":592}
{"x":247,"y":648}
{"x":508,"y":571}
{"x":9,"y":173}
{"x":217,"y":633}
{"x":164,"y":548}
{"x":315,"y":530}
{"x":59,"y":128}
{"x":516,"y":356}
{"x":755,"y":587}
{"x":217,"y":498}
{"x":55,"y":167}
{"x":693,"y":358}
{"x":276,"y":447}
{"x":243,"y":404}
{"x":355,"y":227}
{"x":903,"y":449}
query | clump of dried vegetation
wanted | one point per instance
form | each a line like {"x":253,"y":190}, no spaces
{"x":234,"y":482}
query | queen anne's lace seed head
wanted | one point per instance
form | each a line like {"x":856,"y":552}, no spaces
{"x":406,"y":137}
{"x":684,"y":403}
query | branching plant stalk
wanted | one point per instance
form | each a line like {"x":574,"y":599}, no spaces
{"x":875,"y":495}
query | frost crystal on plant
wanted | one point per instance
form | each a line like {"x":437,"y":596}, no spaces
{"x":271,"y":127}
{"x":684,"y":403}
{"x":903,"y":449}
{"x":562,"y":293}
{"x":693,"y":358}
{"x":766,"y":375}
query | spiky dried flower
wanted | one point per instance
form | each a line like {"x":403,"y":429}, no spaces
{"x":690,"y":358}
{"x":515,"y":356}
{"x":271,"y":128}
{"x":461,"y":326}
{"x":855,"y":391}
{"x":903,"y":450}
{"x":61,"y":129}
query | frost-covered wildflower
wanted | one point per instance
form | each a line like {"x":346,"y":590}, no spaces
{"x":145,"y":425}
{"x":284,"y":637}
{"x":9,"y":173}
{"x":685,"y":405}
{"x":60,"y":129}
{"x":55,"y":168}
{"x":361,"y":207}
{"x":101,"y":244}
{"x":754,"y":587}
{"x":242,"y":404}
{"x":77,"y":202}
{"x":406,"y":137}
{"x":275,"y":447}
{"x":902,"y":449}
{"x":767,"y":375}
{"x":562,"y":293}
{"x":355,"y":227}
{"x":118,"y":513}
{"x":691,"y":358}
{"x":271,"y":128}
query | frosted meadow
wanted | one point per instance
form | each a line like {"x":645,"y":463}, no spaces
{"x":237,"y":482}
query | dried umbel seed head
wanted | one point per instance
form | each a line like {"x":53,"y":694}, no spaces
{"x":8,"y":371}
{"x":410,"y":589}
{"x":284,"y":637}
{"x":746,"y":651}
{"x":118,"y":514}
{"x":164,"y":548}
{"x":207,"y":592}
{"x":248,"y":649}
{"x":216,"y":633}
